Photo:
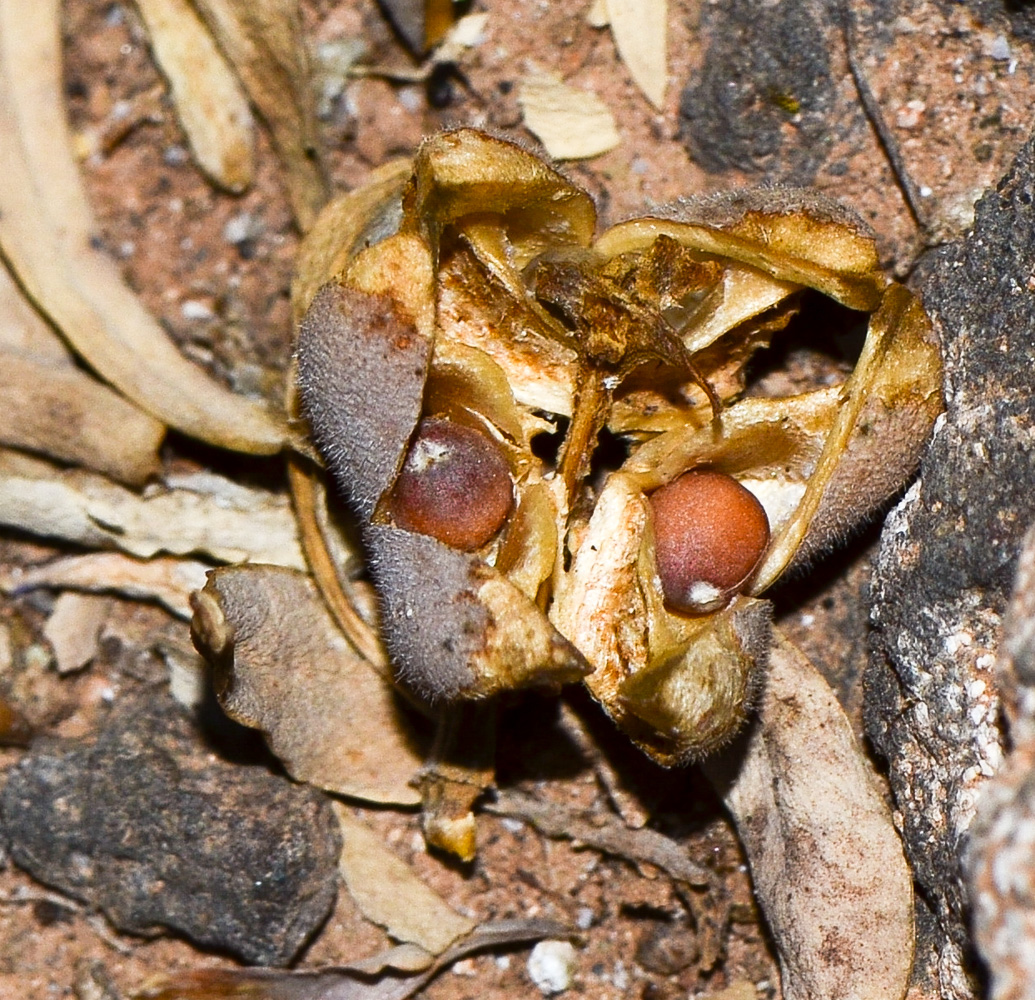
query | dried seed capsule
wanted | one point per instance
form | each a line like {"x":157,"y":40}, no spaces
{"x":455,"y":486}
{"x":710,"y":534}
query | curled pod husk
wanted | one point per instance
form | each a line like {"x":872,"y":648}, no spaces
{"x":473,"y":293}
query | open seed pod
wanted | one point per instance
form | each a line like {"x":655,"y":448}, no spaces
{"x":466,"y":342}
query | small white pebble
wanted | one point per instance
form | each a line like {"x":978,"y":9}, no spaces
{"x":584,"y":918}
{"x":193,"y":309}
{"x":551,"y":966}
{"x":512,"y":825}
{"x":1000,"y":48}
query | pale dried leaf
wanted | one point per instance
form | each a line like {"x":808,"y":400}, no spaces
{"x":73,"y":629}
{"x":61,"y":412}
{"x":609,"y":837}
{"x":825,"y":858}
{"x":389,"y":893}
{"x":282,"y":666}
{"x":46,"y":237}
{"x":571,"y":124}
{"x":168,"y":581}
{"x":393,"y":968}
{"x":209,"y":101}
{"x":265,"y":44}
{"x":233,"y":524}
{"x":639,"y":28}
{"x":23,"y":330}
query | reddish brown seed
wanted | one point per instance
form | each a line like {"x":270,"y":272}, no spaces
{"x":710,"y":534}
{"x":455,"y":486}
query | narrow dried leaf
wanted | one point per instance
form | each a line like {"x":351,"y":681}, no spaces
{"x":24,"y":331}
{"x":640,"y":28}
{"x":282,"y":666}
{"x":46,"y":237}
{"x":209,"y":101}
{"x":825,"y":858}
{"x":266,"y":46}
{"x":229,"y":523}
{"x":389,"y":893}
{"x":393,"y":968}
{"x":61,"y":412}
{"x":73,"y":629}
{"x":170,"y":582}
{"x":571,"y":124}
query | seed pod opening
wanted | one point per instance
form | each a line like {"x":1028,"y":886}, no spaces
{"x":454,"y":485}
{"x":710,"y":535}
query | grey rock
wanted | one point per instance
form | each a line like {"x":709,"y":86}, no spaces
{"x":145,"y":823}
{"x":948,"y":556}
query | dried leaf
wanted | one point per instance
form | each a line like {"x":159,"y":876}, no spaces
{"x":208,"y":515}
{"x":825,"y":858}
{"x":170,"y":582}
{"x":265,"y":44}
{"x":389,"y":893}
{"x":46,"y":237}
{"x":612,"y":837}
{"x":422,"y":23}
{"x":571,"y":124}
{"x":639,"y":28}
{"x":62,"y":413}
{"x":282,"y":666}
{"x":73,"y":629}
{"x":209,"y":101}
{"x":394,"y":970}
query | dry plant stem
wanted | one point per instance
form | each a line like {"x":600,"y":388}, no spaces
{"x":614,"y":838}
{"x":317,"y":553}
{"x":46,"y":236}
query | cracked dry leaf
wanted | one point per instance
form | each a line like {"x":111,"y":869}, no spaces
{"x":73,"y":629}
{"x":206,"y":515}
{"x":281,"y":666}
{"x":47,"y":239}
{"x":826,"y":861}
{"x":389,"y":893}
{"x":168,"y":581}
{"x":265,"y":44}
{"x":209,"y":101}
{"x":482,"y":312}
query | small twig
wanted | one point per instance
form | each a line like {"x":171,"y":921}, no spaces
{"x":885,"y":137}
{"x":603,"y":834}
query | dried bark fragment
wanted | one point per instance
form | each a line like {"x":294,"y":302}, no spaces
{"x":1000,"y":859}
{"x":948,"y":554}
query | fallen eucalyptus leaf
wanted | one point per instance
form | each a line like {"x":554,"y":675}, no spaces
{"x":612,"y":838}
{"x":64,"y":414}
{"x":168,"y":581}
{"x":234,"y":525}
{"x":282,"y":666}
{"x":639,"y":28}
{"x":394,"y":980}
{"x":209,"y":102}
{"x":265,"y":45}
{"x":73,"y":629}
{"x":826,"y":860}
{"x":389,"y":893}
{"x":47,"y":238}
{"x":571,"y":124}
